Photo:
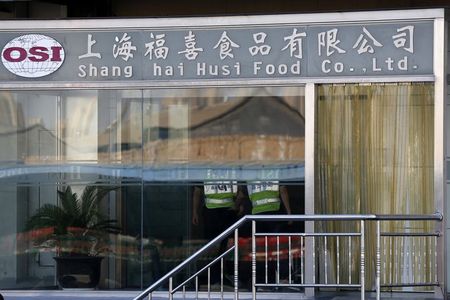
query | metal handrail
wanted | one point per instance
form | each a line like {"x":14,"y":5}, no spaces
{"x":304,"y":218}
{"x":191,"y":258}
{"x":437,"y":216}
{"x":237,"y":225}
{"x":429,"y":217}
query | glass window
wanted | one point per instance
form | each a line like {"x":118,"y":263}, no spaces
{"x":197,"y":138}
{"x":150,"y":150}
{"x":375,"y":148}
{"x":374,"y":154}
{"x":226,"y":130}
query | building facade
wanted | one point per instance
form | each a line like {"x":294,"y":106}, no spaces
{"x":346,"y":111}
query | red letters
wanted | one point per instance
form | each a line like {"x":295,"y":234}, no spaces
{"x":56,"y":53}
{"x":7,"y":54}
{"x":40,"y":54}
{"x":35,"y":54}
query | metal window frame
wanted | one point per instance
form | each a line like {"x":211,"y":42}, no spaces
{"x":440,"y":94}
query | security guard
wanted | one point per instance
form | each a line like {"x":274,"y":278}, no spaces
{"x":266,"y":198}
{"x":219,"y":213}
{"x":219,"y":199}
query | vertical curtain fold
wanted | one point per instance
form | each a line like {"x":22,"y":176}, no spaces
{"x":374,"y":155}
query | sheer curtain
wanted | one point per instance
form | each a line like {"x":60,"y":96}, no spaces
{"x":374,"y":154}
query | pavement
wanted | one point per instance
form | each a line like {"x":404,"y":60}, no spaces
{"x":129,"y":295}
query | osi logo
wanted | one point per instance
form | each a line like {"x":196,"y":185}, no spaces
{"x":32,"y":55}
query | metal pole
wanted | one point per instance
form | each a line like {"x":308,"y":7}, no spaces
{"x":236,"y":264}
{"x":209,"y":283}
{"x":302,"y":259}
{"x":253,"y":260}
{"x":170,"y":288}
{"x":325,"y":259}
{"x":435,"y":259}
{"x":362,"y":279}
{"x":313,"y":260}
{"x":196,"y":287}
{"x":278,"y":260}
{"x":350,"y":259}
{"x":338,"y":259}
{"x":378,"y":262}
{"x":266,"y":251}
{"x":290,"y":260}
{"x":221,"y":278}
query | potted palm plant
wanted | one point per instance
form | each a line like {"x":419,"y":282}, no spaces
{"x":78,"y":232}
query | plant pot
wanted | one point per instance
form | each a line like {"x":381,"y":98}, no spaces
{"x":78,"y":272}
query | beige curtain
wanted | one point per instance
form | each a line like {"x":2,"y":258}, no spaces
{"x":374,"y":154}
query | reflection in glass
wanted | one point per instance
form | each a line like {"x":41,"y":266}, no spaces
{"x":241,"y":126}
{"x":79,"y":126}
{"x":154,"y":146}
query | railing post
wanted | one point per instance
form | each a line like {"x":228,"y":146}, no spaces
{"x":196,"y":287}
{"x":209,"y":283}
{"x":362,"y":275}
{"x":221,"y":278}
{"x":170,"y":288}
{"x":236,"y":264}
{"x":378,"y":261}
{"x":253,"y":260}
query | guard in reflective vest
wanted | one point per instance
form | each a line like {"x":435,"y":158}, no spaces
{"x":219,"y":200}
{"x":266,"y":198}
{"x":219,"y":195}
{"x":218,"y":212}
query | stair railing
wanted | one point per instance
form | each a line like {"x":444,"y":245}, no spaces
{"x":210,"y":245}
{"x":306,"y":238}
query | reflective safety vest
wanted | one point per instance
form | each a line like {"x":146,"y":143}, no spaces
{"x":219,"y":195}
{"x":265,"y":196}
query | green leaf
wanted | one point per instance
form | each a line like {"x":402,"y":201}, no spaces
{"x":81,"y":214}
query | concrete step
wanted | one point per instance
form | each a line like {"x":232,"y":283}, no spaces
{"x":129,"y":295}
{"x":160,"y":295}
